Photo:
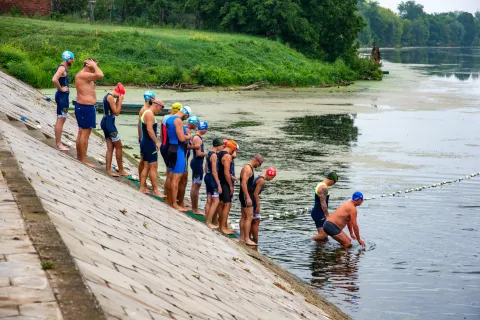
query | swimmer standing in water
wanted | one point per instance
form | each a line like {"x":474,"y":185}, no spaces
{"x":345,"y":215}
{"x":320,"y":208}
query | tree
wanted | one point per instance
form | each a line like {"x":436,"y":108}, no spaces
{"x":420,"y":32}
{"x":410,"y":10}
{"x":468,"y":22}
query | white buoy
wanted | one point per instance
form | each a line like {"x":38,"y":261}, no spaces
{"x":101,"y":161}
{"x":407,"y":191}
{"x":390,"y":194}
{"x":39,"y":126}
{"x":69,"y":143}
{"x":270,"y":216}
{"x":367,"y":198}
{"x":237,"y":221}
{"x":384,"y":195}
{"x":373,"y":197}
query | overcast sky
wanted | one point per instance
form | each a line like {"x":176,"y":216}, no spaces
{"x":432,"y":6}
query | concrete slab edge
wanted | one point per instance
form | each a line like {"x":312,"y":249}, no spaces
{"x":74,"y":298}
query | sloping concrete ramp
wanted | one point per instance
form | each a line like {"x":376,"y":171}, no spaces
{"x":140,"y":258}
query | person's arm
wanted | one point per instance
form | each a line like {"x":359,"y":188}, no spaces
{"x":115,"y":105}
{"x":179,"y":130}
{"x":353,"y":217}
{"x":213,"y":160}
{"x":149,"y":120}
{"x":256,"y":193}
{"x":227,"y":160}
{"x":245,"y":175}
{"x":89,"y":76}
{"x":55,"y":78}
{"x":323,"y":193}
{"x":196,"y":146}
{"x":139,"y":128}
{"x":350,"y":230}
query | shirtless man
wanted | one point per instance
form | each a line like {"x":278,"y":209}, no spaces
{"x":345,"y":215}
{"x":247,"y":177}
{"x":60,"y":80}
{"x":85,"y":110}
{"x":320,"y":208}
{"x":226,"y":184}
{"x":148,"y":96}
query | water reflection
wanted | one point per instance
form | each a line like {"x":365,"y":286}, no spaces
{"x":460,"y":63}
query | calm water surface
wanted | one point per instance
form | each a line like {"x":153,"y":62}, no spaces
{"x":419,"y":126}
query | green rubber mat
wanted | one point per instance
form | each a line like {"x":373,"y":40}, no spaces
{"x":191,"y":214}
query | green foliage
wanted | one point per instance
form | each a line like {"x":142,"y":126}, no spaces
{"x":15,"y":11}
{"x":47,"y":265}
{"x":410,"y":10}
{"x":31,"y":51}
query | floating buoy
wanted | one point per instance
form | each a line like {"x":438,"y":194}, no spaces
{"x":373,"y":197}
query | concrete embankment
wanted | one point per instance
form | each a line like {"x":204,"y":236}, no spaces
{"x":119,"y":254}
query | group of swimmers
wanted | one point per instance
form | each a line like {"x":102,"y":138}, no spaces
{"x":176,"y":143}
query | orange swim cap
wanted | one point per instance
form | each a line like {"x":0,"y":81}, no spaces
{"x":272,"y":172}
{"x":232,"y":145}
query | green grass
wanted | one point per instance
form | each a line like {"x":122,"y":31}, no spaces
{"x":30,"y":50}
{"x":47,"y":265}
{"x":241,"y":124}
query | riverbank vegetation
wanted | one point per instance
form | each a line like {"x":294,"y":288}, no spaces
{"x":30,"y":50}
{"x":412,"y":27}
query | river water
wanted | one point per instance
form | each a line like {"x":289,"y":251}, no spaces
{"x":419,"y":126}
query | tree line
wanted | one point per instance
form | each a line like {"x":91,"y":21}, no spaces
{"x":413,"y":27}
{"x":322,"y":29}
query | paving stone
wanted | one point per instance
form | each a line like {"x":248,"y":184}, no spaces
{"x":38,"y":282}
{"x":28,"y":258}
{"x":16,"y":246}
{"x":18,"y":269}
{"x":8,"y":311}
{"x":16,"y":295}
{"x":48,"y":310}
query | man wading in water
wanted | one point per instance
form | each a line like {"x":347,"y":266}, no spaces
{"x":345,"y":215}
{"x":60,"y":80}
{"x":320,"y":208}
{"x":85,"y":105}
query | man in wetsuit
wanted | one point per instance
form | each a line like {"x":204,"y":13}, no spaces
{"x":197,"y":165}
{"x":60,"y":80}
{"x":85,"y":110}
{"x":320,"y":208}
{"x":165,"y":144}
{"x":148,"y":96}
{"x":346,"y":214}
{"x":149,"y":146}
{"x":112,"y":104}
{"x":212,"y":182}
{"x":192,"y":124}
{"x":247,"y":176}
{"x":226,"y":184}
{"x":176,"y":154}
{"x":259,"y":186}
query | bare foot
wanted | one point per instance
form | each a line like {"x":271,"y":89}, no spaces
{"x":90,"y":165}
{"x":198,"y":211}
{"x":62,"y":148}
{"x":159,"y":194}
{"x":226,"y":231}
{"x":124,"y":173}
{"x":113,"y":174}
{"x":250,"y":243}
{"x":211,"y":226}
{"x":144,"y":190}
{"x":181,"y":209}
{"x":241,"y":241}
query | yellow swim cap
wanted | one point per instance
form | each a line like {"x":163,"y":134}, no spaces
{"x":176,"y":107}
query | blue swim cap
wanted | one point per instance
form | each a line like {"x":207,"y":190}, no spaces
{"x":357,"y":196}
{"x":193,"y":120}
{"x":67,"y":55}
{"x":149,"y":94}
{"x":203,"y":125}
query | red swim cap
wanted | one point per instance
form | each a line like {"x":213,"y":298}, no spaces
{"x":272,"y":172}
{"x":120,"y":88}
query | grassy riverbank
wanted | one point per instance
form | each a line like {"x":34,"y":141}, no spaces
{"x":30,"y":50}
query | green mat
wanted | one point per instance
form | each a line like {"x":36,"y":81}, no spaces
{"x":191,"y":214}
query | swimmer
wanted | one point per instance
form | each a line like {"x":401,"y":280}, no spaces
{"x":85,"y":110}
{"x":112,"y":104}
{"x":148,"y":96}
{"x":197,"y":165}
{"x":60,"y":80}
{"x":163,"y":132}
{"x":212,"y":182}
{"x":192,"y":124}
{"x":176,"y":154}
{"x":320,"y":208}
{"x":247,"y":176}
{"x":259,"y":186}
{"x":149,"y":146}
{"x":226,"y":184}
{"x":346,"y":214}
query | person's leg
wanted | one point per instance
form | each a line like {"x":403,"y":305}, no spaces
{"x":154,"y":179}
{"x":58,"y":133}
{"x":320,"y":236}
{"x":182,"y":187}
{"x":194,"y":193}
{"x":174,"y":183}
{"x":216,"y":215}
{"x":208,"y":203}
{"x":224,"y":217}
{"x":243,"y":236}
{"x":254,"y":229}
{"x":143,"y":178}
{"x":108,"y":158}
{"x":211,"y":212}
{"x":85,"y":137}
{"x":248,"y":225}
{"x":119,"y":156}
{"x":168,"y":188}
{"x":78,"y":143}
{"x":343,"y":239}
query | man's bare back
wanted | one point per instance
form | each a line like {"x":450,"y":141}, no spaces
{"x":342,"y":216}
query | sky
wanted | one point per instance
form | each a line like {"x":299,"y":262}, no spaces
{"x":431,"y":6}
